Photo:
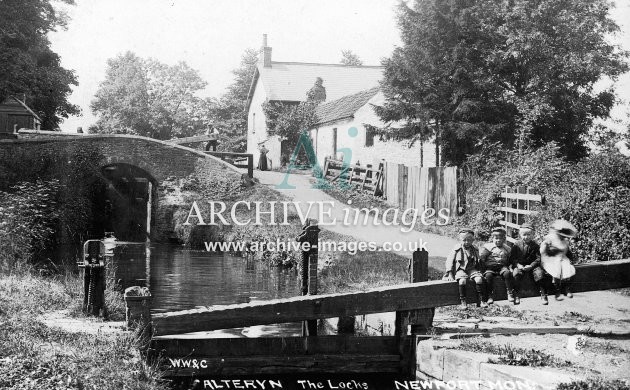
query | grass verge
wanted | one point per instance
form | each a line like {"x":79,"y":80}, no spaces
{"x":343,"y":271}
{"x":511,"y":355}
{"x":35,"y":356}
{"x":595,"y":384}
{"x":479,"y":313}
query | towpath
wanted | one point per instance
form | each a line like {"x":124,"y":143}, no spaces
{"x":438,"y":246}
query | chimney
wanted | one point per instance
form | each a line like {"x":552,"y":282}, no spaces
{"x":265,"y":53}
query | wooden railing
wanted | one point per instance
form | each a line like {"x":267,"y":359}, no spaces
{"x":239,"y":160}
{"x":516,"y":206}
{"x":364,"y":178}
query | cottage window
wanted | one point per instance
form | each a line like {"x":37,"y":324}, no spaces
{"x":334,"y":145}
{"x":369,"y":137}
{"x":253,"y":123}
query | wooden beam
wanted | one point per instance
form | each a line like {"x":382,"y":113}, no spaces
{"x":516,"y":211}
{"x":296,"y":309}
{"x":278,"y":365}
{"x":171,"y":346}
{"x":589,"y":277}
{"x":517,"y":196}
{"x":510,"y":224}
{"x":280,"y":355}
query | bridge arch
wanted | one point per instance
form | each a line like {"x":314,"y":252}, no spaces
{"x":161,"y":163}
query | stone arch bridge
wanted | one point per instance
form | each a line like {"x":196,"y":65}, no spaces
{"x":139,"y":180}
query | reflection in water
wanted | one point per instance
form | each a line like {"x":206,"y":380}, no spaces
{"x":181,"y":279}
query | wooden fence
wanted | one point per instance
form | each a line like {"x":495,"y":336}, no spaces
{"x":421,"y":188}
{"x":364,"y":178}
{"x":239,"y":160}
{"x":516,"y":204}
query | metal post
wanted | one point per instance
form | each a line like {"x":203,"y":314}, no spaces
{"x":93,"y":265}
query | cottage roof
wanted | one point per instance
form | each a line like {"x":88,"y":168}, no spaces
{"x":289,"y":81}
{"x":344,"y":107}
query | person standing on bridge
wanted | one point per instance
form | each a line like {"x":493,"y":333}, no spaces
{"x":262,"y":160}
{"x":213,"y":143}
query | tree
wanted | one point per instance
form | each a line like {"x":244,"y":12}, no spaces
{"x":349,"y":58}
{"x":288,"y":120}
{"x":30,"y":69}
{"x":148,"y":98}
{"x":228,"y":113}
{"x":513,"y":71}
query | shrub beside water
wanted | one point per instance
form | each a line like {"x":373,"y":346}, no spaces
{"x":28,"y":215}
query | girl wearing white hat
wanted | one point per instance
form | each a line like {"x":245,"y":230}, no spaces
{"x":556,"y":256}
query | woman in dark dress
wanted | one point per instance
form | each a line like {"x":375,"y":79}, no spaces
{"x":262,"y":160}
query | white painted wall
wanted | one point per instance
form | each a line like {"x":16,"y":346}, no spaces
{"x":257,"y":129}
{"x":390,"y":151}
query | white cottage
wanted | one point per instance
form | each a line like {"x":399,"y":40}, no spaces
{"x":289,"y":82}
{"x":337,"y":117}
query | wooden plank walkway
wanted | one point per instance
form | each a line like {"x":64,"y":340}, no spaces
{"x":411,"y":296}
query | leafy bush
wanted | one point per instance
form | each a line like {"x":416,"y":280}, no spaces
{"x":593,"y":194}
{"x":43,"y":191}
{"x":488,"y":173}
{"x":27,"y":218}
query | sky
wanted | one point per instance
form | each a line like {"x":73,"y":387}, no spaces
{"x":211,"y":36}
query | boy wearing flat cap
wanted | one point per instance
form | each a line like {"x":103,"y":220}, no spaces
{"x":495,"y":260}
{"x":526,"y":261}
{"x":462,"y":264}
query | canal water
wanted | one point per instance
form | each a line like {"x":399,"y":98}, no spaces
{"x":181,"y":279}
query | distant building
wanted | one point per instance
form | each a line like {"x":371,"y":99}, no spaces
{"x":15,"y":115}
{"x":335,"y":118}
{"x":290,"y":82}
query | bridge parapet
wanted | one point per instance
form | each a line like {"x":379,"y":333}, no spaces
{"x":160,"y":159}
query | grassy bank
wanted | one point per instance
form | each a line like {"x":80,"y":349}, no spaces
{"x":35,"y":356}
{"x":342,"y":272}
